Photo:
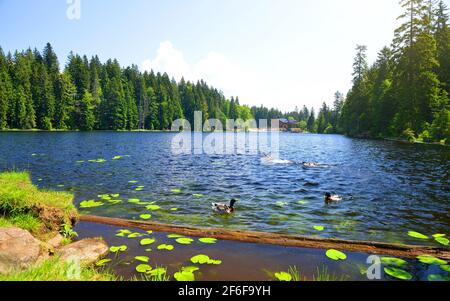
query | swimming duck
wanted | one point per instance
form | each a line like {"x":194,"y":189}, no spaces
{"x":224,"y":208}
{"x":329,"y":198}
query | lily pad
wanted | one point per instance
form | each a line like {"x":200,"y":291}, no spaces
{"x":281,"y":204}
{"x":436,"y":277}
{"x":147,"y":241}
{"x":393,"y":261}
{"x":442,"y":240}
{"x":184,"y":240}
{"x":176,"y":190}
{"x":428,"y":259}
{"x":174,"y":236}
{"x":142,"y":258}
{"x":114,"y":202}
{"x":117,"y":157}
{"x":303,"y":202}
{"x":102,"y":262}
{"x":134,"y":235}
{"x":283,"y":276}
{"x":439,"y":235}
{"x":133,"y":182}
{"x":200,"y":259}
{"x":319,"y":228}
{"x":184,"y":276}
{"x":143,"y":268}
{"x":115,"y":195}
{"x":207,"y":240}
{"x":336,"y":255}
{"x":139,"y":189}
{"x":153,"y":207}
{"x":90,"y":204}
{"x":165,"y":247}
{"x":149,"y":232}
{"x":445,"y":267}
{"x":197,"y":195}
{"x":398,"y":273}
{"x":145,"y":216}
{"x":117,"y":249}
{"x":174,"y":209}
{"x":214,"y":262}
{"x":417,"y":235}
{"x":190,"y":269}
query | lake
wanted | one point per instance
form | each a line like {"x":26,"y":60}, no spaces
{"x":389,"y":188}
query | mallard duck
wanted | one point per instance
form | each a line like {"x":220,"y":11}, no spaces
{"x":329,"y":198}
{"x":224,"y":208}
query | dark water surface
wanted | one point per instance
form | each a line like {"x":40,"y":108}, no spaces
{"x":389,"y":188}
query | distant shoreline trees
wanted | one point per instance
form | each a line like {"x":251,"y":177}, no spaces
{"x":405,"y":93}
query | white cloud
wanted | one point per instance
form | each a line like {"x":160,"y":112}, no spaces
{"x":214,"y":68}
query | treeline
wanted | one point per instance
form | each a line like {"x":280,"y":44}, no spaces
{"x":89,"y":95}
{"x":405,"y":93}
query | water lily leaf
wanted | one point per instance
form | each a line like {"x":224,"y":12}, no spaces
{"x":145,"y":216}
{"x":157,"y":272}
{"x":184,"y":240}
{"x":148,"y":250}
{"x":445,"y":267}
{"x":303,"y":202}
{"x":80,"y":161}
{"x":116,"y":249}
{"x":190,"y":269}
{"x":134,"y":235}
{"x":176,"y":190}
{"x":174,"y":236}
{"x":102,"y":262}
{"x":133,"y":182}
{"x":442,"y":240}
{"x":114,"y":202}
{"x":115,"y":195}
{"x":398,"y":273}
{"x":428,"y":259}
{"x":120,"y":234}
{"x":336,"y":255}
{"x":142,"y":258}
{"x":184,"y":276}
{"x":147,"y":241}
{"x":149,"y":232}
{"x":197,"y":195}
{"x":143,"y":268}
{"x":90,"y":204}
{"x":214,"y":262}
{"x":319,"y":228}
{"x":417,"y":235}
{"x":281,"y":204}
{"x":200,"y":259}
{"x":439,"y":235}
{"x":139,"y":189}
{"x":283,"y":276}
{"x":117,"y":157}
{"x":436,"y":277}
{"x":124,"y":231}
{"x":393,"y":261}
{"x":165,"y":247}
{"x":174,"y":209}
{"x":153,"y":207}
{"x":207,"y":240}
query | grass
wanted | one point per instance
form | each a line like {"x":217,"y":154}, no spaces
{"x":322,"y":274}
{"x":23,"y":205}
{"x":54,"y":270}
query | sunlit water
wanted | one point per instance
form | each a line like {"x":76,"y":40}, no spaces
{"x":389,"y":188}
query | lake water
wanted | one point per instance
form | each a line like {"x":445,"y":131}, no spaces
{"x":389,"y":188}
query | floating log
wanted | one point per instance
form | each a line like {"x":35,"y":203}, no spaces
{"x":370,"y":247}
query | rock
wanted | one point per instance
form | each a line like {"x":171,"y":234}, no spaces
{"x":87,"y":251}
{"x":18,"y":249}
{"x":56,"y":241}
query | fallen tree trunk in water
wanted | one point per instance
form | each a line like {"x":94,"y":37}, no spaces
{"x":397,"y":250}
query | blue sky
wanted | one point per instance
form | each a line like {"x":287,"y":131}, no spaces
{"x":280,"y":53}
